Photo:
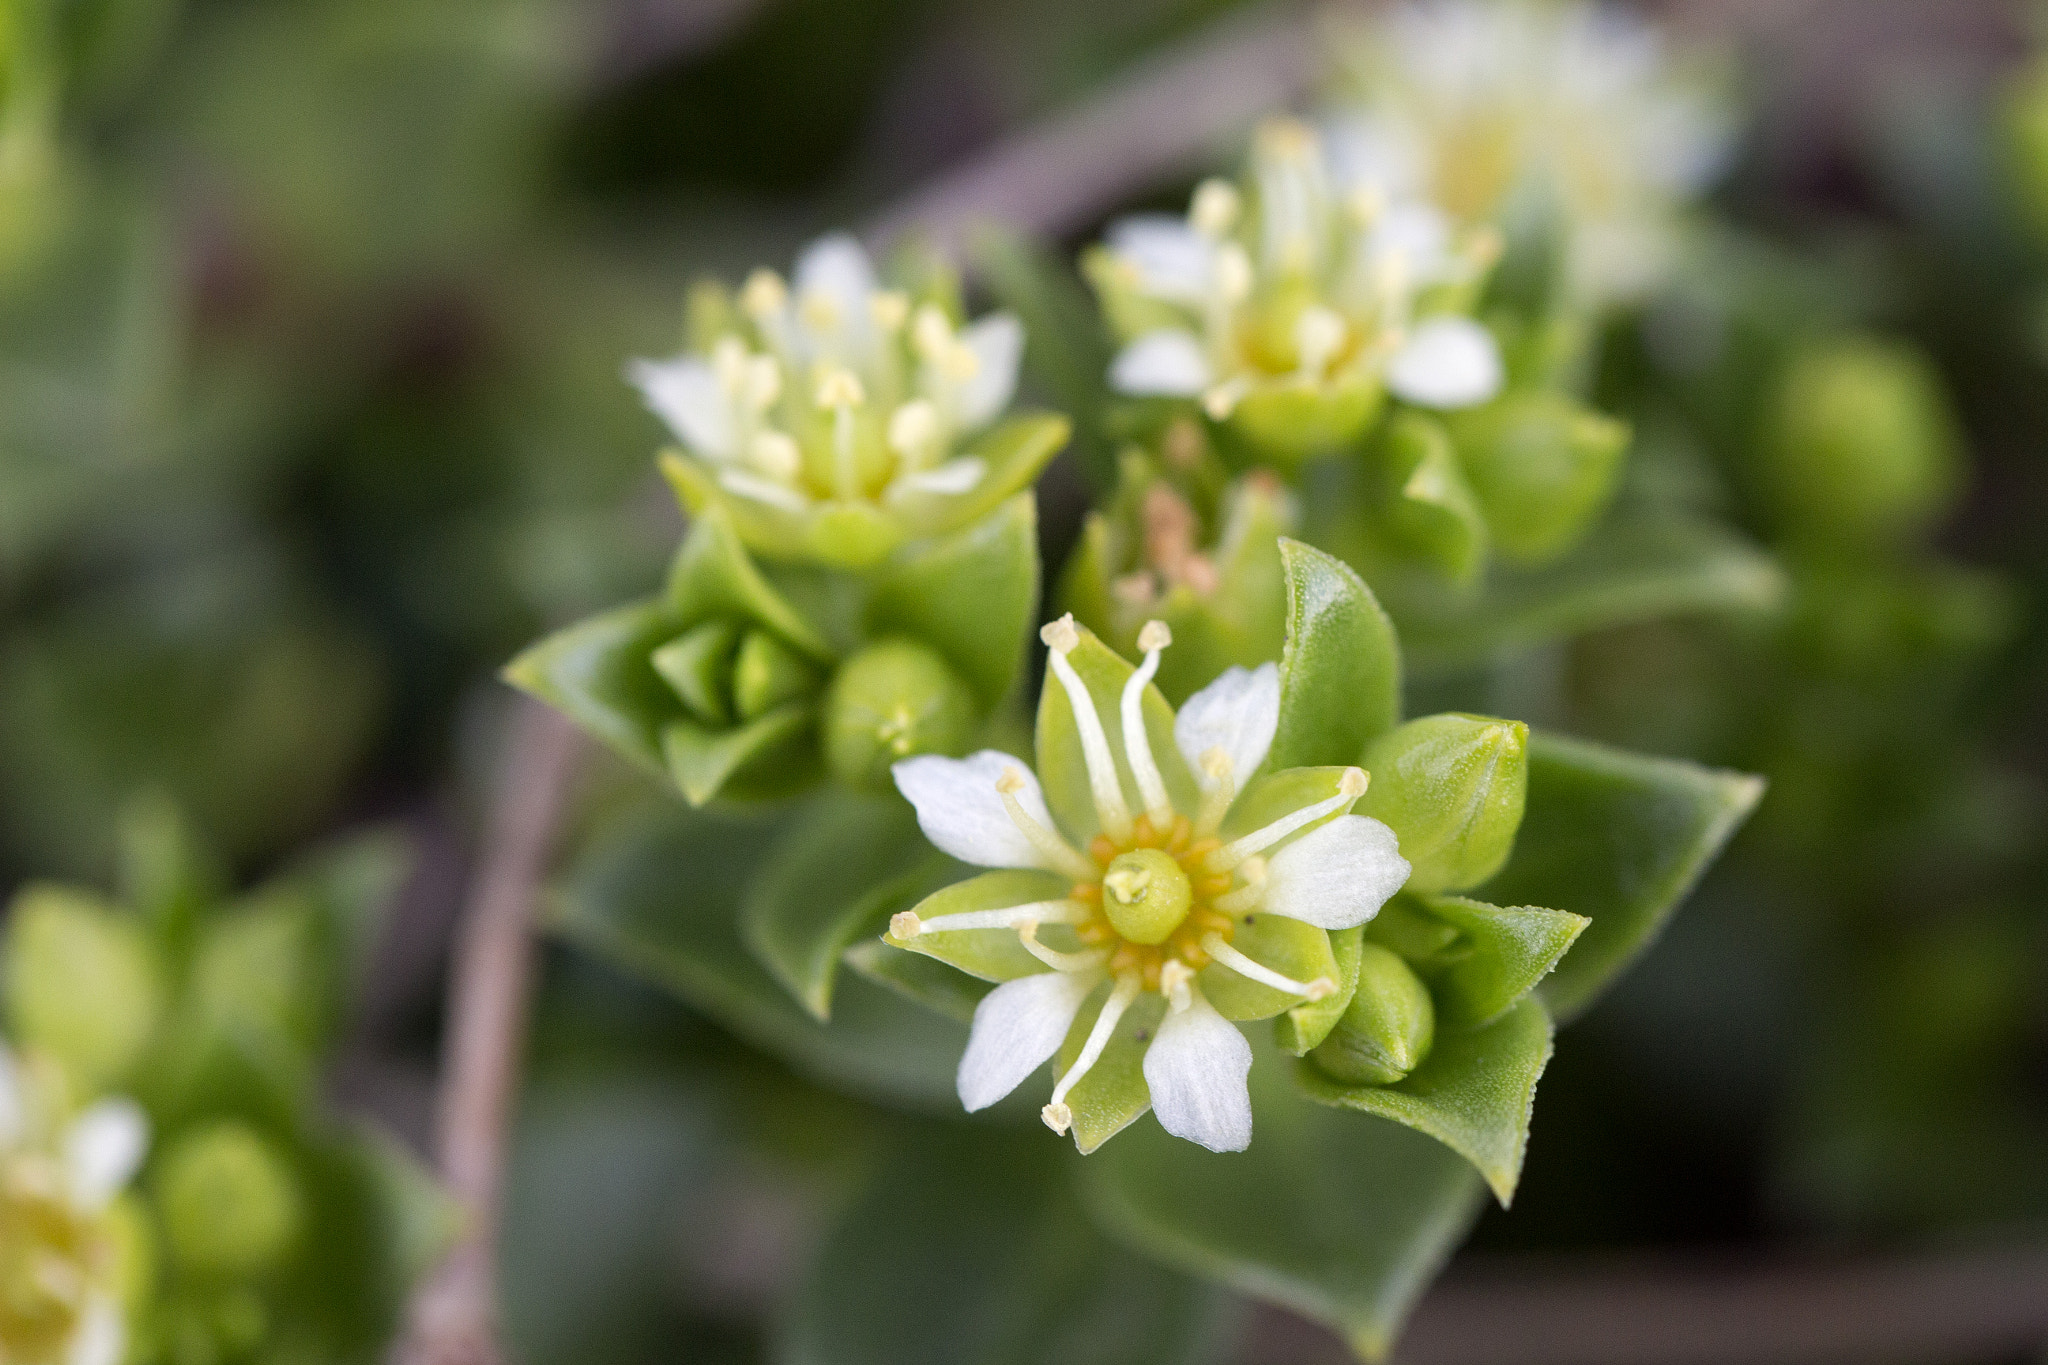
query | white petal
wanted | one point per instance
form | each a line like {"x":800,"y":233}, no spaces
{"x":1196,"y":1070}
{"x":1421,"y":236}
{"x":836,"y":268}
{"x":962,"y":813}
{"x":1018,"y":1026}
{"x":1448,"y":362}
{"x":952,"y":477}
{"x":1237,"y":713}
{"x":686,"y":394}
{"x":103,"y":1149}
{"x":13,"y":1103}
{"x":763,"y":490}
{"x":1374,"y":153}
{"x":101,"y":1337}
{"x":1336,"y":875}
{"x":1169,"y":361}
{"x":1173,"y":261}
{"x":998,"y":345}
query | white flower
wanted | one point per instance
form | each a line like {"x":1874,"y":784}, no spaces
{"x":1154,"y":904}
{"x":1471,"y":104}
{"x":834,"y":390}
{"x":1289,"y":285}
{"x":57,"y":1182}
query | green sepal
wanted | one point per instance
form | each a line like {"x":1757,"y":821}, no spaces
{"x":971,"y":596}
{"x":1304,"y":1026}
{"x":990,"y":954}
{"x":845,"y":535}
{"x":930,"y":982}
{"x":1062,"y":769}
{"x":766,"y":673}
{"x":1341,"y":1218}
{"x":1452,"y":788}
{"x":1426,"y":504}
{"x":698,"y":664}
{"x":1543,"y":467}
{"x":714,"y":576}
{"x":1340,"y":674}
{"x":598,"y":673}
{"x":1619,"y":838}
{"x":1388,"y":1027}
{"x":1272,"y":795}
{"x":1113,"y":1095}
{"x":1504,"y":953}
{"x":1410,"y":930}
{"x":1287,"y":423}
{"x":81,"y":984}
{"x":1015,"y":451}
{"x":1288,"y":946}
{"x":705,"y":762}
{"x":846,"y":864}
{"x":1473,"y":1093}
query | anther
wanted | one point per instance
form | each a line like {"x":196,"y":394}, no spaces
{"x":905,"y":924}
{"x":840,"y":388}
{"x":913,"y":428}
{"x":1215,"y":208}
{"x":1057,"y":1117}
{"x":931,"y":333}
{"x":889,"y":308}
{"x":776,"y":454}
{"x":763,"y":294}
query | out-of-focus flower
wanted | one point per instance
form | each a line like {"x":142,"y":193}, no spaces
{"x":1169,"y":905}
{"x":836,"y":418}
{"x":1291,"y":307}
{"x":1474,"y":104}
{"x":60,"y":1245}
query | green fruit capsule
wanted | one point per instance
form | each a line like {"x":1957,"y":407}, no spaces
{"x":1452,"y":787}
{"x":893,"y":700}
{"x":229,"y":1205}
{"x":1387,"y":1028}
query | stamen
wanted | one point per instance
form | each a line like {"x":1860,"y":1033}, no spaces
{"x":729,"y":363}
{"x":1065,"y":859}
{"x":1174,"y":978}
{"x":1233,"y":273}
{"x":1215,"y":208}
{"x":1221,"y":792}
{"x":840,"y":388}
{"x":889,"y":308}
{"x":1349,"y":789}
{"x":1220,"y":401}
{"x":1246,"y":897}
{"x":1057,"y":1116}
{"x":1085,"y":961}
{"x":913,"y":428}
{"x":763,"y":383}
{"x":776,"y":454}
{"x":1009,"y":917}
{"x":1155,"y":637}
{"x":1318,"y":334}
{"x":931,"y":333}
{"x":1215,"y":947}
{"x":763,"y":294}
{"x":1103,"y":783}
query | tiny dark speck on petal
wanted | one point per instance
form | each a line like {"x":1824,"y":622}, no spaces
{"x":1251,"y":919}
{"x":1144,"y":1035}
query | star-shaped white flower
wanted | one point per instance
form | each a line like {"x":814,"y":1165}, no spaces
{"x":1154,"y":903}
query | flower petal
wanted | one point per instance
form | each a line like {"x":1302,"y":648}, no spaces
{"x":1018,"y":1027}
{"x":1336,"y":875}
{"x":103,"y":1149}
{"x":101,"y":1336}
{"x":951,"y":479}
{"x":1238,"y":714}
{"x":13,"y":1103}
{"x":997,"y":342}
{"x":1168,"y":361}
{"x":1448,"y":362}
{"x":835,"y":270}
{"x":1196,"y":1070}
{"x":686,"y":394}
{"x":1172,"y":260}
{"x":962,"y":813}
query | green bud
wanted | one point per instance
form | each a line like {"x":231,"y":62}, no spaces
{"x":256,"y":971}
{"x":698,"y":665}
{"x":1452,"y":788}
{"x":81,"y":985}
{"x":1542,"y":466}
{"x":1861,"y":445}
{"x":1146,"y":895}
{"x":890,"y":701}
{"x":1387,"y":1028}
{"x":766,"y":673}
{"x":228,"y":1203}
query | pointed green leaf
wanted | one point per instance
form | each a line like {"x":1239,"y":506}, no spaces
{"x":698,"y":665}
{"x":598,"y":673}
{"x":1342,"y":1218}
{"x":704,"y":761}
{"x":989,"y":954}
{"x":1340,"y":676}
{"x":714,"y":576}
{"x":928,"y":981}
{"x":1472,"y":1093}
{"x":1619,"y":838}
{"x":660,"y":898}
{"x":1113,"y":1094}
{"x":1304,"y":1026}
{"x":1428,"y":507}
{"x":972,"y":596}
{"x":81,"y":983}
{"x":1062,"y":769}
{"x":847,"y":863}
{"x":1504,"y":954}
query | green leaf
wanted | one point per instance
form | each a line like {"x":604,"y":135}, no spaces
{"x":714,"y":576}
{"x":1304,"y":1026}
{"x":1504,"y":954}
{"x":704,"y":762}
{"x":1062,"y":769}
{"x":1429,"y":509}
{"x":1542,"y":464}
{"x":1619,"y":838}
{"x":846,"y":864}
{"x":1016,"y":452}
{"x":987,"y":954}
{"x":598,"y":673}
{"x":1342,"y":1218}
{"x":1472,"y":1093}
{"x":926,"y":980}
{"x":971,"y":596}
{"x":698,"y":665}
{"x":81,"y":983}
{"x":1007,"y":1267}
{"x":1632,"y":570}
{"x":1340,"y":676}
{"x":660,"y":897}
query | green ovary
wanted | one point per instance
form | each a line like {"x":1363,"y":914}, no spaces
{"x":1146,"y":895}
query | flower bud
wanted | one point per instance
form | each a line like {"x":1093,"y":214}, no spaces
{"x":890,"y":701}
{"x":1542,"y":467}
{"x":766,"y":673}
{"x":81,"y":985}
{"x":229,"y":1204}
{"x":698,"y":665}
{"x":1387,"y":1028}
{"x":1452,"y":788}
{"x":1862,"y":445}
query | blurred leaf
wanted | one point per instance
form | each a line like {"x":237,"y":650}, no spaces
{"x":928,"y":981}
{"x":1066,"y":348}
{"x":1340,"y":677}
{"x":1504,"y":953}
{"x":971,"y":595}
{"x":1619,"y":838}
{"x":599,"y":673}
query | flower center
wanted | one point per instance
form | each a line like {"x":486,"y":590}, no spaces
{"x":1154,"y":902}
{"x":1146,"y":895}
{"x":49,"y":1257}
